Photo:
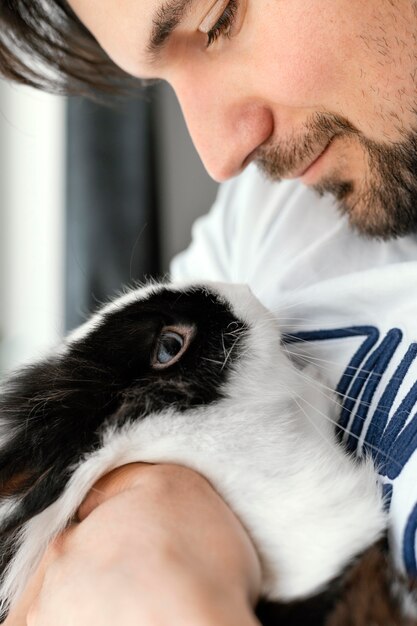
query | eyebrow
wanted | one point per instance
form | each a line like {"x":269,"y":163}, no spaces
{"x":167,"y":18}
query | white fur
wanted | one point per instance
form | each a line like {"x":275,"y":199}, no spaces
{"x":268,"y":448}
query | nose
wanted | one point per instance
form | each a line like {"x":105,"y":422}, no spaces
{"x":225,"y":124}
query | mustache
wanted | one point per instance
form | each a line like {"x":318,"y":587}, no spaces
{"x":281,"y":160}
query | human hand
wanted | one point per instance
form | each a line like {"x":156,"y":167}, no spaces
{"x":155,"y":544}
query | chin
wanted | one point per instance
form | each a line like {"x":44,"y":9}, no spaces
{"x":374,"y":211}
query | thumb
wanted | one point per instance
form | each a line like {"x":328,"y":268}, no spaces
{"x":113,"y":483}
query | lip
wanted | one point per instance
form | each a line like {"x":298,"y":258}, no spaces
{"x":309,"y":175}
{"x":302,"y":171}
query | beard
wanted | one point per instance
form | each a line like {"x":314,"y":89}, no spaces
{"x":383,"y":204}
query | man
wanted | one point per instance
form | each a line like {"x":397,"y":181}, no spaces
{"x":322,"y":90}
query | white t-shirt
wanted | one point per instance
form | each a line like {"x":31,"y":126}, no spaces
{"x":349,"y":305}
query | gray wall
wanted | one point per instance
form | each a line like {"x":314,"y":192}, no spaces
{"x":186,"y":191}
{"x":32,"y":150}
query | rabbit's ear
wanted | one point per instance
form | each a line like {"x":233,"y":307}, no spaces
{"x":16,"y":484}
{"x":50,"y":414}
{"x":20,"y":506}
{"x":27,"y":468}
{"x":17,"y":475}
{"x":35,"y":445}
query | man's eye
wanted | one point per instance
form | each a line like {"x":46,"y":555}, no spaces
{"x":224,"y":24}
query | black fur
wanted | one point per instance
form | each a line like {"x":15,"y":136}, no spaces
{"x":53,"y":413}
{"x":310,"y":612}
{"x":56,"y":408}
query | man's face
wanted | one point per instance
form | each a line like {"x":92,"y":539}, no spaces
{"x":324,"y":90}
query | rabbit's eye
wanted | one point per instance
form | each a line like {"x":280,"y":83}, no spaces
{"x":171,"y":345}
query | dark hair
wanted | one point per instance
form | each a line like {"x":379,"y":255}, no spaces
{"x":43,"y":44}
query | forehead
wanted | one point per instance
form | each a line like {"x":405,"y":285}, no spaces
{"x":121,"y":27}
{"x":134,"y":33}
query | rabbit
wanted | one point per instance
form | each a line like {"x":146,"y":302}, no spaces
{"x":195,"y":374}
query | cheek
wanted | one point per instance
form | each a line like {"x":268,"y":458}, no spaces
{"x":304,"y":53}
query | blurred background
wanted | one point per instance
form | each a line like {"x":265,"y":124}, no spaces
{"x":92,"y":198}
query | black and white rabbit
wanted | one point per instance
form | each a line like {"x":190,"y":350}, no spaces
{"x":195,"y":375}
